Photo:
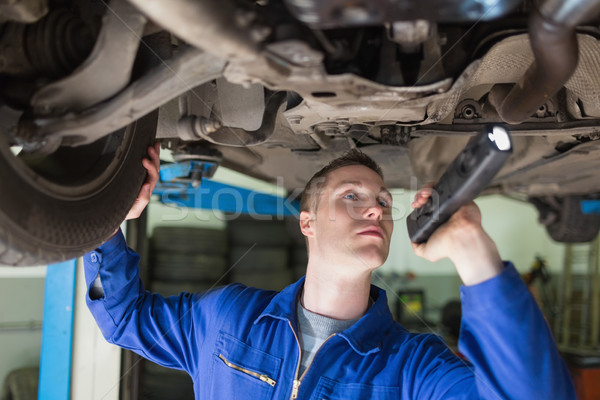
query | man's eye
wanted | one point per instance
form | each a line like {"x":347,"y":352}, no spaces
{"x":350,"y":196}
{"x":385,"y":203}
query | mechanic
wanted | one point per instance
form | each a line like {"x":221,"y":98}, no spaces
{"x":331,"y":334}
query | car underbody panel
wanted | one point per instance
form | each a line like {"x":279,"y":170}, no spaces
{"x":276,"y":89}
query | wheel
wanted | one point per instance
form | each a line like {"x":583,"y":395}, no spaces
{"x":57,"y":207}
{"x":564,"y":220}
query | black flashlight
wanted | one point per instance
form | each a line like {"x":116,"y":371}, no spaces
{"x":469,"y":173}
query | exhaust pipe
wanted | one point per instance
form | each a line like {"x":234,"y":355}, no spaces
{"x":554,"y":44}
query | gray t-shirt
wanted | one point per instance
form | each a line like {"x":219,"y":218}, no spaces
{"x":314,"y":330}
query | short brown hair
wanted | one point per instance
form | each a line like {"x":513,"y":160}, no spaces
{"x":310,"y":195}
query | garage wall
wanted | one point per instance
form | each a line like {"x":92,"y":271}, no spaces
{"x":21,"y":300}
{"x":518,"y":234}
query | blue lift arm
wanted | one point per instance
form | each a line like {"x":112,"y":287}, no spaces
{"x":590,"y":206}
{"x":177,"y":186}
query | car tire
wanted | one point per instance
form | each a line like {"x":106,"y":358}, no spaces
{"x":58,"y":207}
{"x":564,"y":220}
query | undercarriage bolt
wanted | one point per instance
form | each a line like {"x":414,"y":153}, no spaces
{"x":541,"y":112}
{"x":468,"y":112}
{"x":208,"y":125}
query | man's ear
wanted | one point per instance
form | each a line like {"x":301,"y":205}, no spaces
{"x":306,"y":223}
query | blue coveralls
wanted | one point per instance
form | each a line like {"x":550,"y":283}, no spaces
{"x":242,"y":343}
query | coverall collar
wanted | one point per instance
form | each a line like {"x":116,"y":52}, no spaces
{"x":365,"y":336}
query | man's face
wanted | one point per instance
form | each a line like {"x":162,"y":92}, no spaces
{"x":353,"y":223}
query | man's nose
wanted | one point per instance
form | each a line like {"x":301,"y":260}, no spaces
{"x":374,"y":210}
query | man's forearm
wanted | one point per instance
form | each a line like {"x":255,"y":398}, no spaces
{"x":475,"y":257}
{"x":505,"y":336}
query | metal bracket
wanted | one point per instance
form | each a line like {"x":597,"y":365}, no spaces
{"x":188,"y":172}
{"x":105,"y":72}
{"x":186,"y":70}
{"x":193,"y":126}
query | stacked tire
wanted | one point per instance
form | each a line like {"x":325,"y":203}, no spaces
{"x":187,"y":259}
{"x":260,"y":253}
{"x":182,"y":259}
{"x":159,"y":383}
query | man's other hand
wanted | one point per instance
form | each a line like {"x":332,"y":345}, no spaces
{"x":152,"y":165}
{"x":463,"y":240}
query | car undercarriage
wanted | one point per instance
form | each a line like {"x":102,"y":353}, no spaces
{"x":275,"y":90}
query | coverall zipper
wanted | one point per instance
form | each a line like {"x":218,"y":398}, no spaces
{"x":298,"y":381}
{"x":262,"y":377}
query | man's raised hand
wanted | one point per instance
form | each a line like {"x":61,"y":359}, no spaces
{"x":463,"y":240}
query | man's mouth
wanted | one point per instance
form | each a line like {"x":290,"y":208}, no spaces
{"x":372,"y":231}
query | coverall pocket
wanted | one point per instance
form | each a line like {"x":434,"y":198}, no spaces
{"x":240,"y":371}
{"x":328,"y":389}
